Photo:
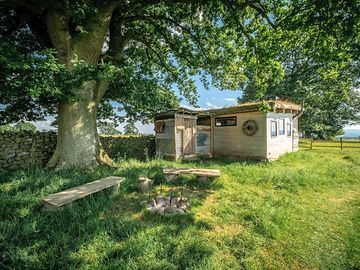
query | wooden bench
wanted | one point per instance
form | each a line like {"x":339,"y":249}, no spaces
{"x":202,"y":174}
{"x":67,"y":196}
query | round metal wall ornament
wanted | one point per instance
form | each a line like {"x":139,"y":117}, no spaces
{"x":249,"y":127}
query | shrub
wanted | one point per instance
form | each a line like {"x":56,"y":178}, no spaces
{"x":141,"y":147}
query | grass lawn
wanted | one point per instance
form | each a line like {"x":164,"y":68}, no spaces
{"x":300,"y":212}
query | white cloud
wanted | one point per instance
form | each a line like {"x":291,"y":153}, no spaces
{"x":192,"y":108}
{"x":43,"y":125}
{"x":208,"y":106}
{"x":353,"y":127}
{"x":229,"y":99}
{"x":211,"y":106}
{"x":145,"y":128}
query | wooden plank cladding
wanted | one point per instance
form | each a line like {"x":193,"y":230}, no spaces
{"x":165,"y":139}
{"x":189,"y":140}
{"x":226,"y":131}
{"x":231,"y":140}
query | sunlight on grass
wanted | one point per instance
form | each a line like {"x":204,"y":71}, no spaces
{"x":302,"y":211}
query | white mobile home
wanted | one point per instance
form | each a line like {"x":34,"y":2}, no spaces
{"x":242,"y":131}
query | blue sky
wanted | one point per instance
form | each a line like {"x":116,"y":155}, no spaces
{"x":213,"y":97}
{"x":208,"y":99}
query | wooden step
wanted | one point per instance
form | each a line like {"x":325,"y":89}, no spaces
{"x":73,"y":194}
{"x":198,"y":172}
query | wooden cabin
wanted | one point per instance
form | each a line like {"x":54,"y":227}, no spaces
{"x":242,"y":131}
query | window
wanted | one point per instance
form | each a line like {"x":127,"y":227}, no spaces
{"x":281,"y":126}
{"x":289,"y":129}
{"x":273,"y":128}
{"x":160,"y":127}
{"x":225,"y":121}
{"x":201,"y":138}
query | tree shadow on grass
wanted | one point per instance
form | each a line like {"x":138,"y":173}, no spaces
{"x":155,"y":173}
{"x":155,"y":241}
{"x":38,"y":180}
{"x":160,"y":247}
{"x":219,"y":161}
{"x":99,"y":230}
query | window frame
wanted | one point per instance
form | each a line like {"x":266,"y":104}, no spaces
{"x":281,"y":131}
{"x":162,"y":127}
{"x":274,"y":122}
{"x":289,"y":128}
{"x":224,"y":118}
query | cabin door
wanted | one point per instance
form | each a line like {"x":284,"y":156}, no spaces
{"x":189,"y":136}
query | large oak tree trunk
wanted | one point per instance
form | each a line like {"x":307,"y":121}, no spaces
{"x":78,"y":143}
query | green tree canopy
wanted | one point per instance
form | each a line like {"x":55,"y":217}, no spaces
{"x":130,"y":129}
{"x":108,"y":129}
{"x":70,"y":58}
{"x":20,"y":126}
{"x":319,"y":52}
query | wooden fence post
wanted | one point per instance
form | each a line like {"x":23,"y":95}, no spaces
{"x":341,"y":143}
{"x":311,"y":144}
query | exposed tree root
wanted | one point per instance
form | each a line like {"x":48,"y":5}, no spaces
{"x":103,"y":158}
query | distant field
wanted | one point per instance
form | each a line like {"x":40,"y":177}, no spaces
{"x":300,"y":212}
{"x":351,"y":133}
{"x":333,"y":144}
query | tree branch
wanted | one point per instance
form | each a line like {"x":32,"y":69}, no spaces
{"x":262,"y":11}
{"x":194,"y":37}
{"x":100,"y":90}
{"x":88,"y":45}
{"x":58,"y":28}
{"x":161,"y":62}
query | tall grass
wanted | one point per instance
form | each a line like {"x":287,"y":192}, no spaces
{"x":302,"y":211}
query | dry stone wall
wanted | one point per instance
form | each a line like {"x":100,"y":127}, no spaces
{"x":23,"y":149}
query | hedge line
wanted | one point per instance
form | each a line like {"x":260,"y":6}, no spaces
{"x":118,"y":147}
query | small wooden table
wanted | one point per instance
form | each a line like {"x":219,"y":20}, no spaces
{"x":202,"y":174}
{"x":67,"y":196}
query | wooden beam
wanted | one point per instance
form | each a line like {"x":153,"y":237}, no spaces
{"x":175,"y":134}
{"x":67,"y":196}
{"x":198,"y":172}
{"x":212,"y":132}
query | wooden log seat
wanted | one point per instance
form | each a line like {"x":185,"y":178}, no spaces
{"x":67,"y":196}
{"x":202,"y":174}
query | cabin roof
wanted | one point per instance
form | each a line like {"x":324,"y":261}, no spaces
{"x":182,"y":110}
{"x":276,"y":105}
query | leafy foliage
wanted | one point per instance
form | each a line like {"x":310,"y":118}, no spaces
{"x":141,"y":147}
{"x":319,"y":54}
{"x":25,"y":126}
{"x":130,"y":129}
{"x":7,"y":127}
{"x":20,"y":126}
{"x":108,"y":129}
{"x":144,"y":50}
{"x":150,"y":49}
